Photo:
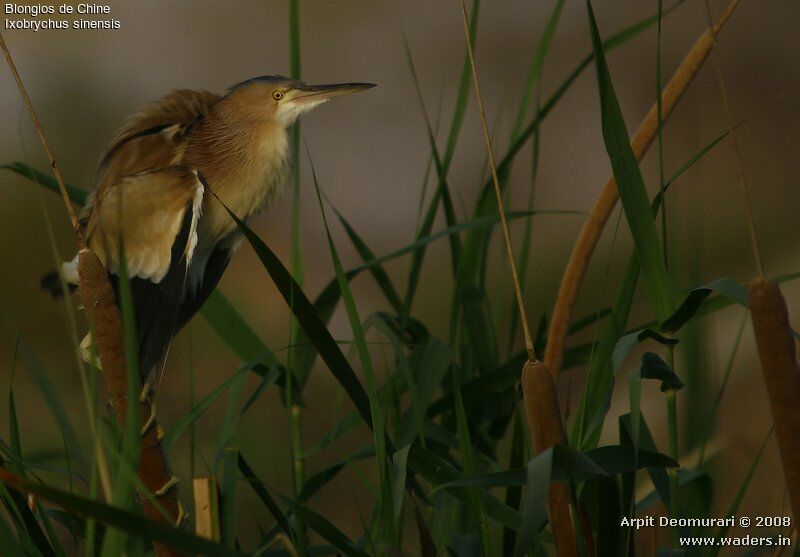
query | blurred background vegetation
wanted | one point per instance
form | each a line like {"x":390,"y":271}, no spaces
{"x":371,"y":155}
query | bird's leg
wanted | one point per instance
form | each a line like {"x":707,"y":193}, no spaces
{"x":146,"y":398}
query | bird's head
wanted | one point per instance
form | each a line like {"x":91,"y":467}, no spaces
{"x":283,"y":100}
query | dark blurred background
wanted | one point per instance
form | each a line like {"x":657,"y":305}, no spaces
{"x":371,"y":151}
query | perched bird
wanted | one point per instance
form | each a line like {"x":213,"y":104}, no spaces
{"x":178,"y":238}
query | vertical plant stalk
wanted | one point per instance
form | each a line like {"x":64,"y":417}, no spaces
{"x":498,"y":194}
{"x":773,"y":332}
{"x":539,"y":390}
{"x":103,"y":313}
{"x":154,"y":471}
{"x":672,"y":394}
{"x":776,"y":349}
{"x":295,"y":410}
{"x":73,"y":218}
{"x":751,"y":227}
{"x":544,"y":419}
{"x":589,"y":235}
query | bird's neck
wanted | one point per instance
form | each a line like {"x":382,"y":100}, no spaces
{"x":240,"y":148}
{"x":243,"y":156}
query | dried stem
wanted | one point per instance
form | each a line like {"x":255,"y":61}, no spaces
{"x":103,"y":313}
{"x":206,"y":507}
{"x":604,"y":204}
{"x":38,"y":125}
{"x":500,"y":205}
{"x":748,"y":208}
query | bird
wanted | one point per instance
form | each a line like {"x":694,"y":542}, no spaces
{"x":151,"y":192}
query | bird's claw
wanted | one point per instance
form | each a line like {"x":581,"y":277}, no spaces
{"x":172,"y":482}
{"x":150,"y":420}
{"x":145,"y":394}
{"x":88,"y":355}
{"x":183,"y":516}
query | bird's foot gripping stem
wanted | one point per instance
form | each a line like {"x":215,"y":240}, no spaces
{"x":89,"y":353}
{"x":146,"y":396}
{"x":183,"y":516}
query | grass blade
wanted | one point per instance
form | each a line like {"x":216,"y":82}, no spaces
{"x":228,"y":518}
{"x":228,"y":323}
{"x":599,"y":379}
{"x":688,"y":309}
{"x":514,"y":493}
{"x":301,"y":307}
{"x":258,"y":486}
{"x":76,"y":194}
{"x":30,"y":533}
{"x":486,"y":201}
{"x":133,"y":523}
{"x":437,"y":471}
{"x":185,"y":421}
{"x":535,"y":67}
{"x":468,"y":458}
{"x":737,"y":500}
{"x":630,"y":185}
{"x":385,"y":499}
{"x":377,"y":271}
{"x":325,"y":529}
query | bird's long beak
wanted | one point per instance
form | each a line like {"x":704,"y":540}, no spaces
{"x":319,"y":93}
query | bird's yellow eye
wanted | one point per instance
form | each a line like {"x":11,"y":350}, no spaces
{"x":277,"y":95}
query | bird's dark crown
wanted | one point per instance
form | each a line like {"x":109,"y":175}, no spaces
{"x":266,"y":79}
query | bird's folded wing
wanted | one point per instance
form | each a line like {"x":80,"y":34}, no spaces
{"x":155,"y":215}
{"x":153,"y":138}
{"x":147,"y":211}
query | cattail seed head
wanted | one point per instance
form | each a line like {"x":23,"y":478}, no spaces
{"x":544,"y":420}
{"x":776,"y":349}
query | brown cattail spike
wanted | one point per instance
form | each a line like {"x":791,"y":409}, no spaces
{"x":776,"y":348}
{"x":547,"y":429}
{"x":103,"y":313}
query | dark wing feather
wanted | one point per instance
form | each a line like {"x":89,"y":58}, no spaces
{"x":156,"y":304}
{"x":215,"y":267}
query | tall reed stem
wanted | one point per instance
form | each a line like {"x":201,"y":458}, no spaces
{"x":295,"y":411}
{"x":498,"y":194}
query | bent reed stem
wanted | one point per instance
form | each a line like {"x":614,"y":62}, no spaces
{"x":589,"y":235}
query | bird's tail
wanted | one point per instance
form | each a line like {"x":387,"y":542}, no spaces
{"x":51,"y":283}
